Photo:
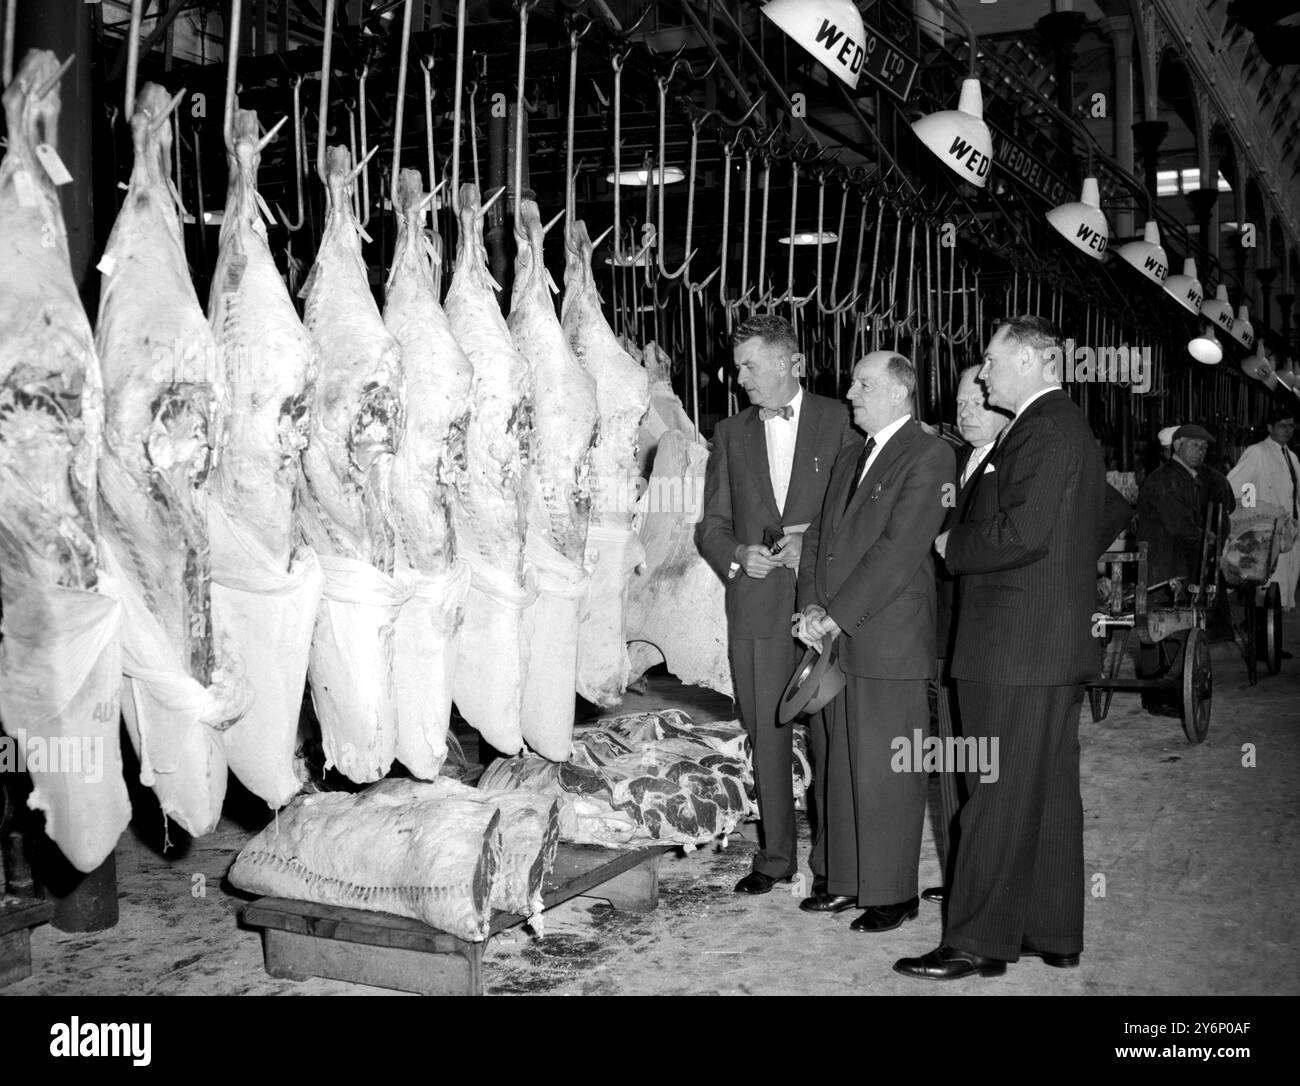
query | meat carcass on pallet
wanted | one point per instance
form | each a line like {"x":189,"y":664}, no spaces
{"x":60,"y":655}
{"x":614,"y":550}
{"x":428,"y":480}
{"x":345,"y":509}
{"x":565,"y":427}
{"x":165,"y":410}
{"x":676,"y":603}
{"x":265,"y":591}
{"x":491,"y":522}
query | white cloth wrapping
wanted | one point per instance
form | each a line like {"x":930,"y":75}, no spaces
{"x":60,"y":679}
{"x":1263,"y":469}
{"x":551,"y":679}
{"x":492,"y":660}
{"x":269,"y":614}
{"x":428,"y":636}
{"x":603,"y":665}
{"x":175,"y":722}
{"x":353,"y":685}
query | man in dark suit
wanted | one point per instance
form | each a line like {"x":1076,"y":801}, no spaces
{"x":1025,"y":555}
{"x":979,"y":425}
{"x":767,"y":474}
{"x":867,"y":577}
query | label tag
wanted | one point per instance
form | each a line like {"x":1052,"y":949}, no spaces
{"x":49,"y":158}
{"x":234,"y":273}
{"x":361,"y":230}
{"x":25,"y":188}
{"x":106,"y":264}
{"x":266,"y":211}
{"x":554,"y":288}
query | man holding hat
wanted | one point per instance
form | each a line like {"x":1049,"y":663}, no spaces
{"x":1272,"y":470}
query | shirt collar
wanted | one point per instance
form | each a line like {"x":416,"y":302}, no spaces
{"x":794,"y":403}
{"x":886,"y":432}
{"x":1037,"y":396}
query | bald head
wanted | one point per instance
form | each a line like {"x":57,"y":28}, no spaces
{"x":884,"y":383}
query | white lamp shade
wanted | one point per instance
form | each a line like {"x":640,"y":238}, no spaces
{"x":959,"y":137}
{"x":1217,"y":310}
{"x":811,"y":237}
{"x":1186,"y":289}
{"x":1206,"y":348}
{"x":829,"y":30}
{"x":668,"y":175}
{"x":1288,"y":376}
{"x":1148,"y":255}
{"x":1083,"y":224}
{"x":1242,"y":330}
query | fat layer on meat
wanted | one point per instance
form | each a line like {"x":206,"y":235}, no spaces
{"x":356,"y":410}
{"x":566,"y":417}
{"x":430,"y":466}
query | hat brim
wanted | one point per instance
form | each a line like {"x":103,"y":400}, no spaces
{"x":815,"y":683}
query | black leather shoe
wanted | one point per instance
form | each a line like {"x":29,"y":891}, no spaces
{"x":1056,"y":961}
{"x":948,"y":963}
{"x":757,"y":883}
{"x":935,"y":894}
{"x":827,"y":903}
{"x":887,"y":917}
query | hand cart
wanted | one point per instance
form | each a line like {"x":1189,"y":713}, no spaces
{"x":1128,"y":611}
{"x":1247,"y":564}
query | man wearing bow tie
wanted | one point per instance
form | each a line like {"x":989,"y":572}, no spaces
{"x":867,"y":578}
{"x":767,"y":474}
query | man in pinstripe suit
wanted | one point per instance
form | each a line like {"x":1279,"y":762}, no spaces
{"x":1025,"y":556}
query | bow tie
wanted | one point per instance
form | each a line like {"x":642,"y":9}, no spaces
{"x":786,"y":412}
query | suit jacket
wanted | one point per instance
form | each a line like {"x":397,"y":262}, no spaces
{"x":739,"y":505}
{"x":1025,"y":553}
{"x":869,"y":564}
{"x":947,"y":582}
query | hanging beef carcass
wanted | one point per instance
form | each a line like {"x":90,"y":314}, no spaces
{"x":622,"y":397}
{"x":345,"y":509}
{"x":60,"y":654}
{"x":165,"y":411}
{"x":566,"y":421}
{"x":428,"y":480}
{"x":676,"y":608}
{"x":265,"y":591}
{"x":490,"y":523}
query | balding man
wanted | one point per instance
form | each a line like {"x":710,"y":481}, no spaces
{"x":768,"y":470}
{"x":1025,"y":554}
{"x":867,"y":578}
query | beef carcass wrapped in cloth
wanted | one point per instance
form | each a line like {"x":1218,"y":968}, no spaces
{"x":265,"y":591}
{"x":428,"y":480}
{"x":61,"y":653}
{"x":490,"y":523}
{"x":433,"y":860}
{"x":676,"y":608}
{"x":565,"y":425}
{"x":165,"y":410}
{"x":613,"y":548}
{"x":345,"y":509}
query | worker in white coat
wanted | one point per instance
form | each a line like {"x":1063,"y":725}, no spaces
{"x":1269,"y":472}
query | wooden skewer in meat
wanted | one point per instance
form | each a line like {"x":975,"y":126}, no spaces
{"x":345,"y":510}
{"x":60,"y":656}
{"x":491,"y":523}
{"x":622,"y":397}
{"x":428,"y":481}
{"x":265,"y":592}
{"x":165,"y":410}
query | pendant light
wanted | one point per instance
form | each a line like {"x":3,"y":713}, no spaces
{"x":1186,"y":289}
{"x":959,"y":137}
{"x":1147,"y":256}
{"x":829,"y":30}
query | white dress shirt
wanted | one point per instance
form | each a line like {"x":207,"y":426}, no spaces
{"x":882,"y":435}
{"x":978,"y":455}
{"x":781,"y":434}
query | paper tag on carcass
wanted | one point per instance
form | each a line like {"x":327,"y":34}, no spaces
{"x":362,"y":231}
{"x":554,"y":288}
{"x":49,"y":158}
{"x":234,"y":273}
{"x":25,"y":188}
{"x":106,"y":264}
{"x":180,"y":205}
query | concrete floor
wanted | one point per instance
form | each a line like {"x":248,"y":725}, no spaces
{"x":1198,"y":854}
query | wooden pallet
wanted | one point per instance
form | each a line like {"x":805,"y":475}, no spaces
{"x":301,"y":939}
{"x":18,"y":915}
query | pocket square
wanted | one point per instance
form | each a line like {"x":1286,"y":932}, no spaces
{"x":988,"y":469}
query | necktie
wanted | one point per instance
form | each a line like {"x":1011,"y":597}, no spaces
{"x":857,"y":472}
{"x":786,"y":412}
{"x":977,"y":457}
{"x":1291,"y":469}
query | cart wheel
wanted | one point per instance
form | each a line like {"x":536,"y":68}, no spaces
{"x":1198,"y":686}
{"x":1270,"y":635}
